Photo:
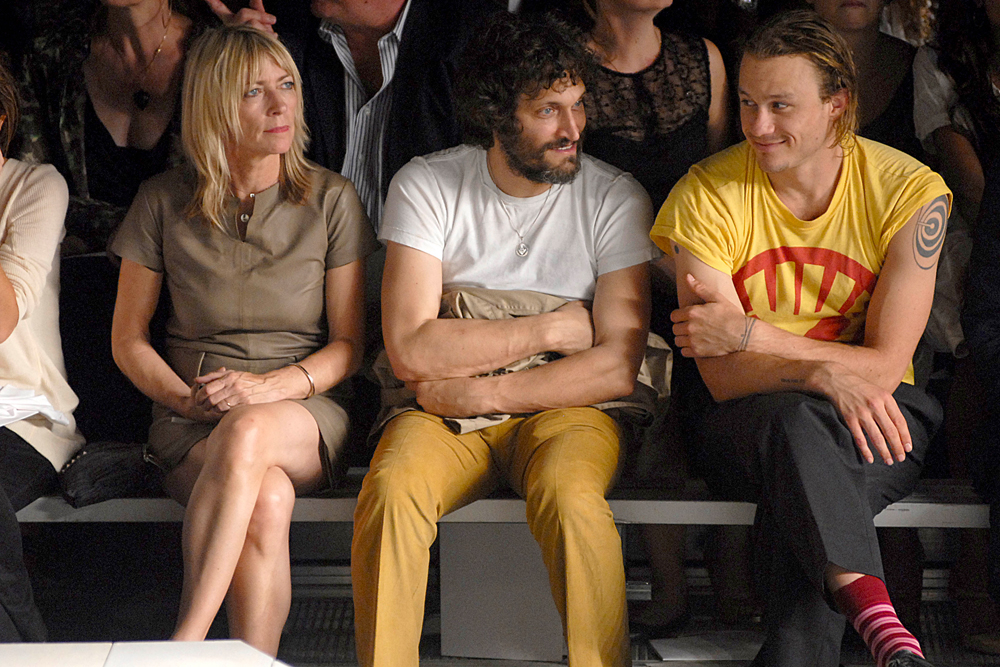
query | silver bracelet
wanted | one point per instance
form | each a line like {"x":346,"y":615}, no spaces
{"x":312,"y":385}
{"x":747,"y":329}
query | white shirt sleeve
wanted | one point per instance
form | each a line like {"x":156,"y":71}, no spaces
{"x":32,"y":233}
{"x":934,"y":96}
{"x":621,"y":235}
{"x":415,"y":211}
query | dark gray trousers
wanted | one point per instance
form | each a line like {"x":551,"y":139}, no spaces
{"x":24,"y":476}
{"x":792,"y":454}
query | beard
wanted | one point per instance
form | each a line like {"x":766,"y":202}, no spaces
{"x":529,"y":161}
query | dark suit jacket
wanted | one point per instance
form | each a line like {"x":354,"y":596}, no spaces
{"x":422,"y":117}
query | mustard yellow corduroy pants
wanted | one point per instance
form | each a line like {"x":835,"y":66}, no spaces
{"x":562,"y":462}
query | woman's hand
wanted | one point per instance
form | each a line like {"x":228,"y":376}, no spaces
{"x":190,"y":408}
{"x":222,"y":390}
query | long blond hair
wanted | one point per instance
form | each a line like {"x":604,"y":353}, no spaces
{"x":220,"y":66}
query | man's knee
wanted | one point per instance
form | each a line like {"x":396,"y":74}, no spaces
{"x":793,"y":424}
{"x":401,"y":478}
{"x":574,"y":466}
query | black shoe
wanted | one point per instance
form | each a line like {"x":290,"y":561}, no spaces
{"x":905,"y":658}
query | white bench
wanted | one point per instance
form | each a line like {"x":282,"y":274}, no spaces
{"x":495,"y":599}
{"x":941,"y":503}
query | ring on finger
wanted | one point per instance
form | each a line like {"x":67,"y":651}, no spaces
{"x":227,"y":404}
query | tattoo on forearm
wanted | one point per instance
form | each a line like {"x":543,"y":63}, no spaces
{"x":792,"y":381}
{"x":748,"y":327}
{"x":929,"y":233}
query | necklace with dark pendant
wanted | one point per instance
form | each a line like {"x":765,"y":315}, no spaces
{"x":141,"y":98}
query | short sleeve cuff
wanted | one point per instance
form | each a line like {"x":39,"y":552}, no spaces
{"x":624,"y":260}
{"x":401,"y":237}
{"x":122,"y":248}
{"x":701,"y":252}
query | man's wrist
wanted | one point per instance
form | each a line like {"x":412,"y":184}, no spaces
{"x":818,"y":376}
{"x":483,"y":393}
{"x":547,"y":330}
{"x":749,"y":325}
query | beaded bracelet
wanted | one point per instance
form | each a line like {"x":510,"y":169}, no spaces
{"x":312,"y":385}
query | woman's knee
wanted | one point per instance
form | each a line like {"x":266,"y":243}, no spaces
{"x":272,"y":512}
{"x":239,"y":442}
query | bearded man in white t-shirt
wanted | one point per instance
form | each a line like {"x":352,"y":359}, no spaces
{"x":518,"y":209}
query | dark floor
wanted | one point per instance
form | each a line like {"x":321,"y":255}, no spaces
{"x":97,"y":582}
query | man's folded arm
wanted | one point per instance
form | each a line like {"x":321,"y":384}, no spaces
{"x":897,"y":315}
{"x":423,"y":347}
{"x":603,"y":372}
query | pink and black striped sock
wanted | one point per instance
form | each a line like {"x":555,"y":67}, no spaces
{"x":865,"y":603}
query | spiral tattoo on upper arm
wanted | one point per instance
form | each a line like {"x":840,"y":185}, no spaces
{"x":928,"y":235}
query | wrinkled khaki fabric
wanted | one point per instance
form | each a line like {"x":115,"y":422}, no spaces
{"x":482,"y":303}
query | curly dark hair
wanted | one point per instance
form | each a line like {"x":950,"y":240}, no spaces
{"x":515,"y":56}
{"x":965,"y":41}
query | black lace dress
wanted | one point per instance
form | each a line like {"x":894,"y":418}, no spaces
{"x":653,"y":123}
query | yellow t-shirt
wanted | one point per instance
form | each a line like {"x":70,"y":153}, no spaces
{"x":813,"y":278}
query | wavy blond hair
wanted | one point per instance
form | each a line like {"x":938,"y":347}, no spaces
{"x":804,"y":33}
{"x":220,"y":67}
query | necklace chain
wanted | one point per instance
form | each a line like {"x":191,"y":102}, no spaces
{"x":522,"y":248}
{"x":159,"y":47}
{"x":142,"y":97}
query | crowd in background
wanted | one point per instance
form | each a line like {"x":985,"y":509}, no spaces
{"x":96,"y":90}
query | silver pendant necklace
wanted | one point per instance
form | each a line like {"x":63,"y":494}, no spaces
{"x":522,"y":248}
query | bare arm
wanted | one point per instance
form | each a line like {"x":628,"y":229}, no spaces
{"x":138,"y":294}
{"x":255,"y":15}
{"x":603,"y":372}
{"x":896,"y":315}
{"x":719,"y":131}
{"x":961,"y":170}
{"x":867,"y":408}
{"x":422,"y":347}
{"x":738,"y":356}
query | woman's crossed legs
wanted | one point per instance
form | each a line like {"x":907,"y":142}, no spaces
{"x":239,"y":487}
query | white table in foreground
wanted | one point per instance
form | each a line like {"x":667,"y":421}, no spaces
{"x":226,"y":653}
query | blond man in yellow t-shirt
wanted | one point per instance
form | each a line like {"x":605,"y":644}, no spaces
{"x":805,"y":262}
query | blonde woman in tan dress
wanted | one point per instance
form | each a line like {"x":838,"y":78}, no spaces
{"x":261,"y":253}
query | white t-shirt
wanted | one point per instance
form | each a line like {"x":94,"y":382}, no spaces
{"x":446,"y":205}
{"x":935,"y":101}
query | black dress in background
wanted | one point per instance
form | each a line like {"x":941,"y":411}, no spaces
{"x":653,"y":123}
{"x":894,"y":126}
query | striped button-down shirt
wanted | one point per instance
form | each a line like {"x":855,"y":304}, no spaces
{"x":366,"y":118}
